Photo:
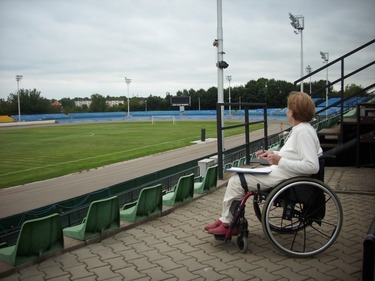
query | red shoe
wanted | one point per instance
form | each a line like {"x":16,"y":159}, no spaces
{"x":213,"y":225}
{"x":222,"y":230}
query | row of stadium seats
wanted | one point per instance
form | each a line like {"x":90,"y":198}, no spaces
{"x":43,"y":237}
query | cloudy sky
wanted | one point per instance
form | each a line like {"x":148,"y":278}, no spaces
{"x":75,"y":48}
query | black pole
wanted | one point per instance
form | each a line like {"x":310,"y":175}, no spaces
{"x":265,"y":127}
{"x":341,"y":136}
{"x":247,"y":135}
{"x":219,"y":141}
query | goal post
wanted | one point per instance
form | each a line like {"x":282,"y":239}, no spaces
{"x":154,"y":118}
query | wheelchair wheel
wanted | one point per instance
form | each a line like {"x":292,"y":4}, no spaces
{"x":308,"y":216}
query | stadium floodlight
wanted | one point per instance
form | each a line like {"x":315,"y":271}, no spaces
{"x":128,"y":80}
{"x":325,"y":58}
{"x":18,"y":79}
{"x":298,"y":23}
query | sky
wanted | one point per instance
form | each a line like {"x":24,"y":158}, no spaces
{"x":76,"y":48}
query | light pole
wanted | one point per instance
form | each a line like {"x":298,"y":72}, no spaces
{"x":298,"y":23}
{"x":229,"y":78}
{"x":325,"y":57}
{"x":18,"y":79}
{"x":127,"y":80}
{"x":308,"y":70}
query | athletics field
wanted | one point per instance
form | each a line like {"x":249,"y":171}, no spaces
{"x":30,"y":154}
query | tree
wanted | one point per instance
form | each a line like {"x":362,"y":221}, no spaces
{"x":5,"y":107}
{"x":237,"y":95}
{"x":352,"y":89}
{"x":250,"y":93}
{"x":196,"y":99}
{"x":67,"y":104}
{"x":318,"y":89}
{"x":157,"y":103}
{"x":31,"y":102}
{"x":98,"y":103}
{"x":210,"y":99}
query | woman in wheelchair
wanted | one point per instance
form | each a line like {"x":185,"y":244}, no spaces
{"x":298,"y":157}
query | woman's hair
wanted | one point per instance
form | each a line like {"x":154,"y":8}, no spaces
{"x":302,"y":106}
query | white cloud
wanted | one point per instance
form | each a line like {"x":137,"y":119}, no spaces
{"x":77,"y":48}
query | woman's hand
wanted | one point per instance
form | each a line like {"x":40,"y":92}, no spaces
{"x":263,"y":153}
{"x":273,"y":159}
{"x":269,"y":155}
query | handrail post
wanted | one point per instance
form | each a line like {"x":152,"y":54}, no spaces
{"x":341,"y":136}
{"x":265,"y":127}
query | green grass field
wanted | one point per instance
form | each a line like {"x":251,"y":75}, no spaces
{"x":31,"y":154}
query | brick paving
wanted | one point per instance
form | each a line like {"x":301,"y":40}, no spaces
{"x":175,"y":247}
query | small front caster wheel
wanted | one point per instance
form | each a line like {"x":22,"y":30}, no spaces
{"x":242,"y":243}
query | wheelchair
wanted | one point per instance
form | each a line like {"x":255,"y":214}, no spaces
{"x":301,"y":217}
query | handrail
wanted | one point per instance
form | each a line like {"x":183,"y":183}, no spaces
{"x":341,"y":79}
{"x":335,"y":61}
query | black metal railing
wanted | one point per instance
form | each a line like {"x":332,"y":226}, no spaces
{"x":246,"y":124}
{"x":342,"y":78}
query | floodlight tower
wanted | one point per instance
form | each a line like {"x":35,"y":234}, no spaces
{"x":127,"y":81}
{"x":325,"y":58}
{"x":18,"y":79}
{"x":229,"y":78}
{"x":298,"y":23}
{"x":308,"y":70}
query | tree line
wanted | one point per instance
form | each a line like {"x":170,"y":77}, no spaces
{"x":270,"y":91}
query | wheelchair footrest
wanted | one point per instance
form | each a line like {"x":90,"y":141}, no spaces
{"x":223,"y":237}
{"x":219,"y":237}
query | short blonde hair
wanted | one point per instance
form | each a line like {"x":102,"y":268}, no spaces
{"x":302,"y":106}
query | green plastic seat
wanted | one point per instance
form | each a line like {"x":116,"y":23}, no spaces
{"x":102,"y":216}
{"x":236,"y":163}
{"x":184,"y":190}
{"x":207,"y":182}
{"x":149,"y":203}
{"x":226,"y":167}
{"x":242,"y":161}
{"x":38,"y":237}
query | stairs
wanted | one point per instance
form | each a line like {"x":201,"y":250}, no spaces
{"x":329,"y":137}
{"x":355,"y":144}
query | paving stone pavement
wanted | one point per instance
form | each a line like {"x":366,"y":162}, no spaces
{"x":175,"y":246}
